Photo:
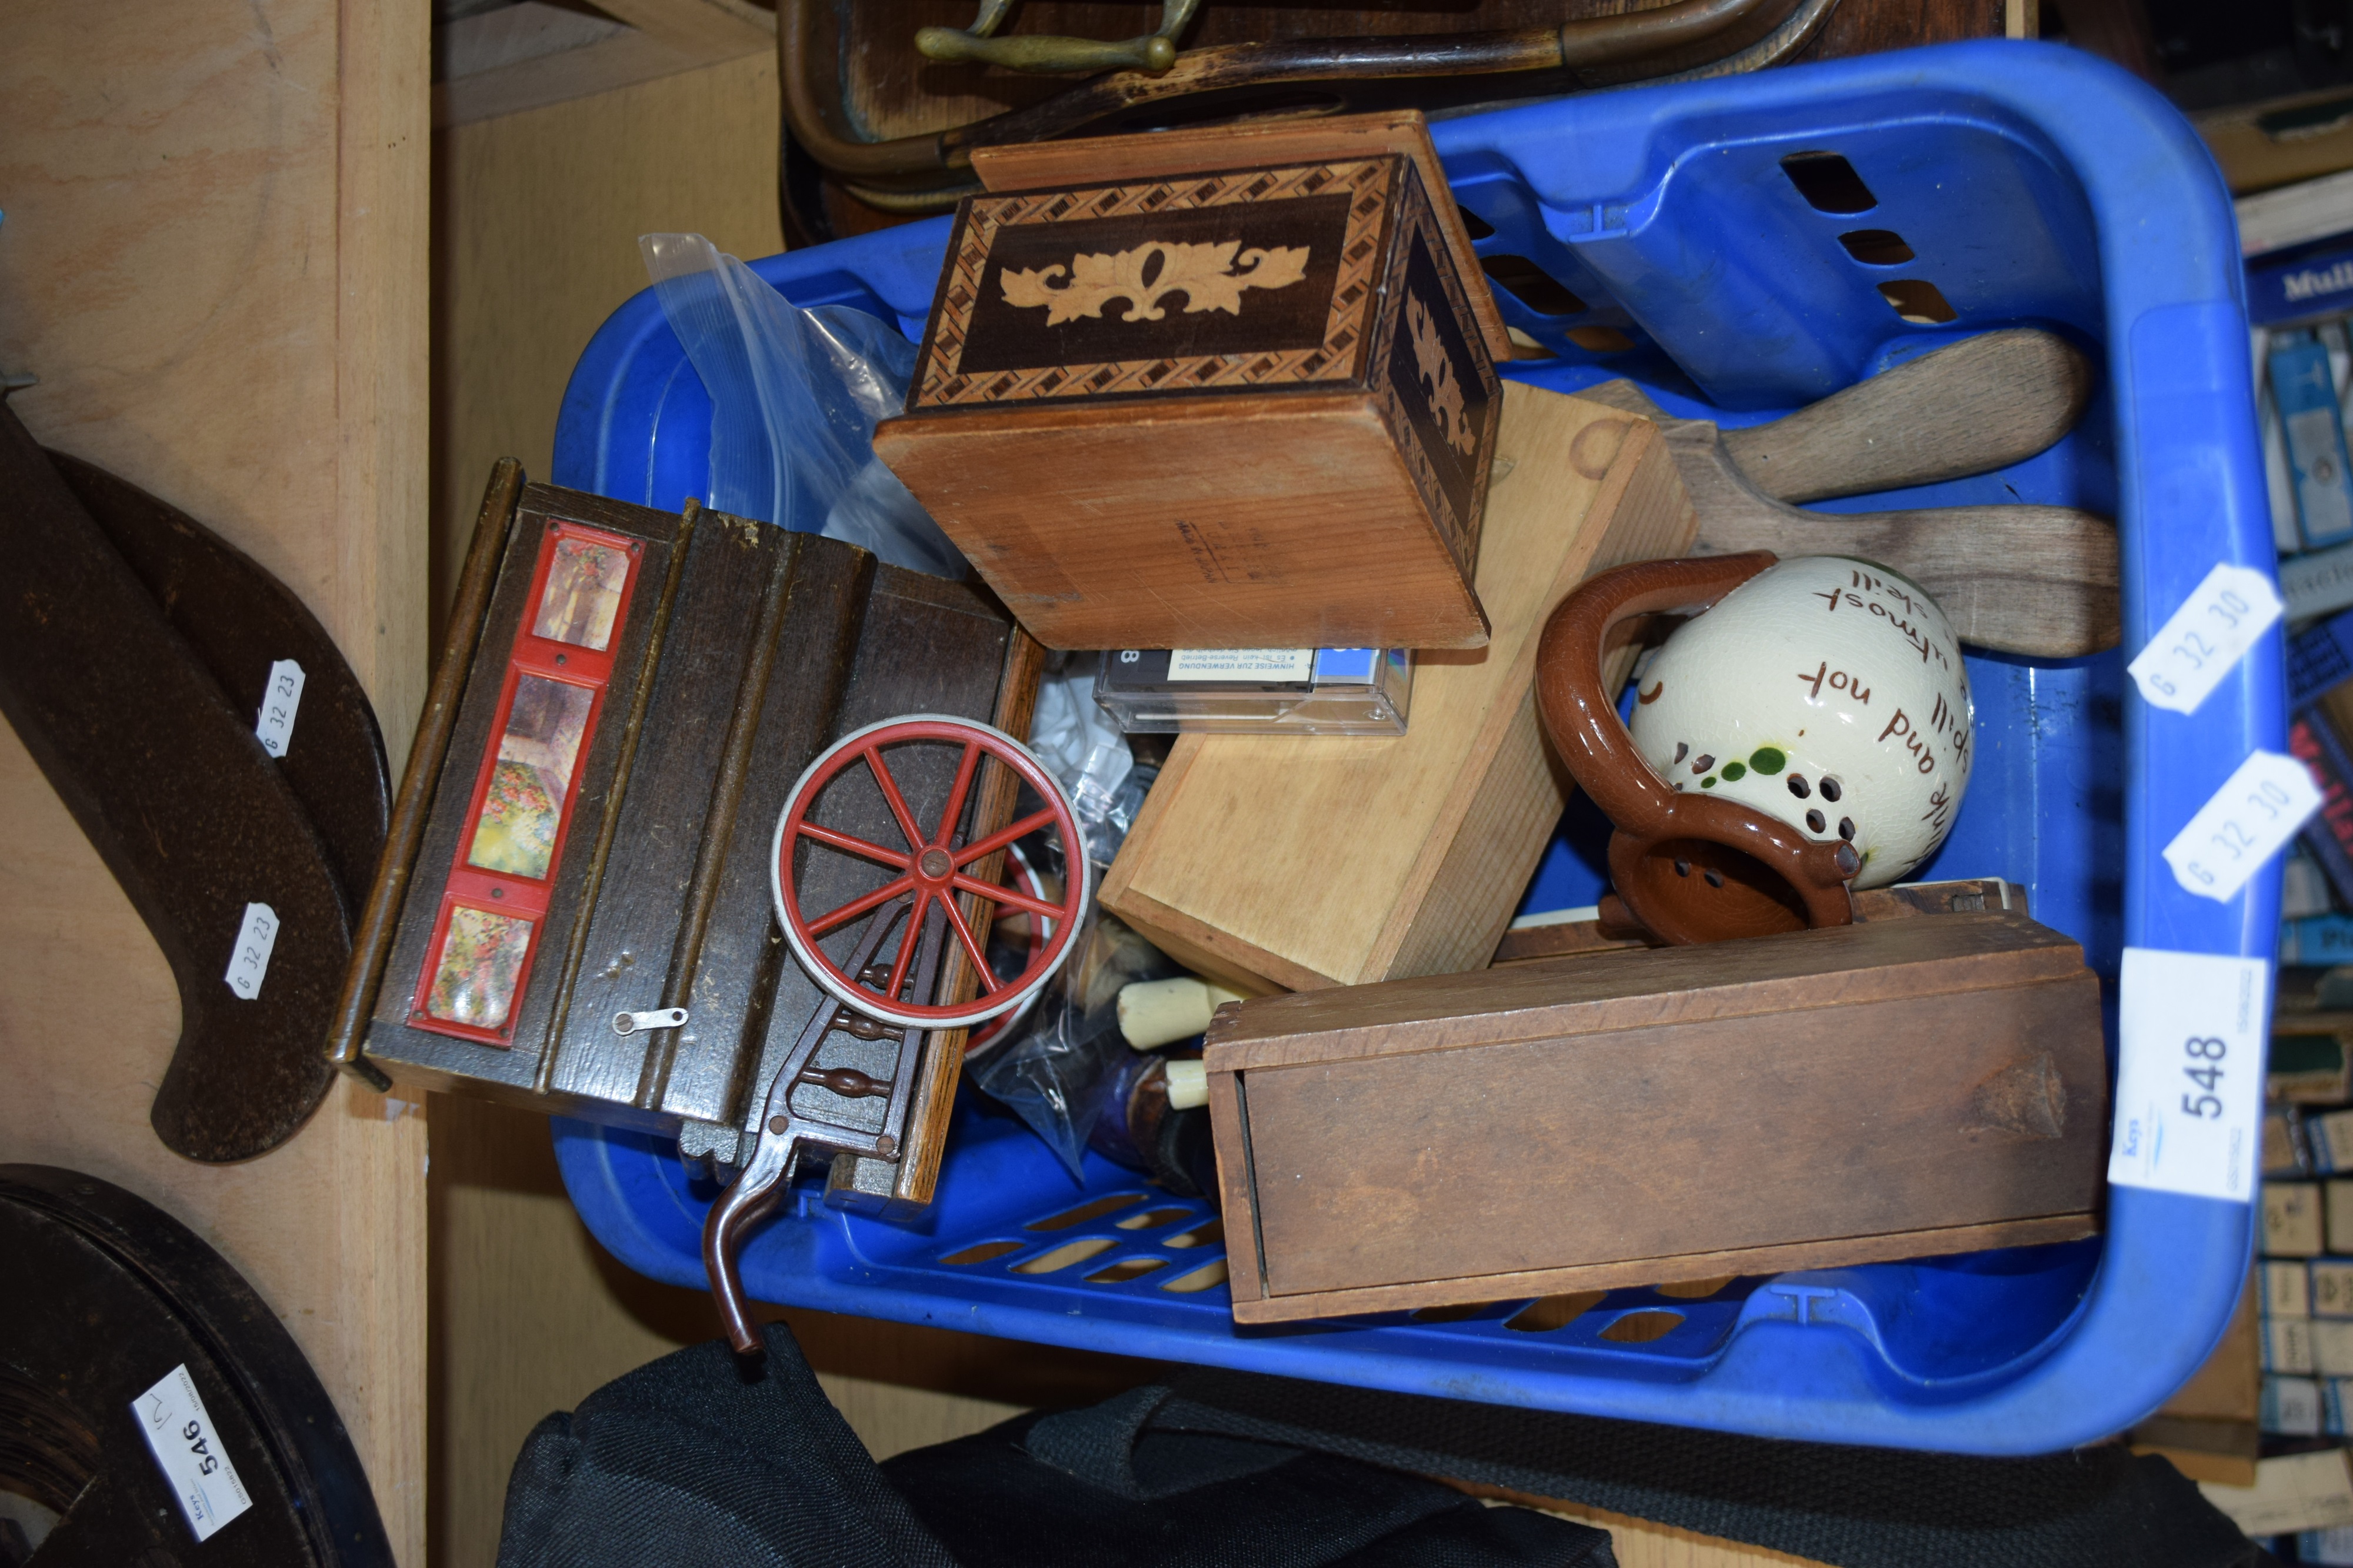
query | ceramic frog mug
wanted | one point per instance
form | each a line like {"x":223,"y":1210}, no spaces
{"x":1809,"y":731}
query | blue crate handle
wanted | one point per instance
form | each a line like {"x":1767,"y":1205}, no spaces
{"x":1814,"y":1356}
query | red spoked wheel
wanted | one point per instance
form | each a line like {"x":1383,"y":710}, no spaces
{"x":931,"y":869}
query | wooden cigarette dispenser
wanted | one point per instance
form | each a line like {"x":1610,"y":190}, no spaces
{"x":1883,"y":1090}
{"x":575,"y":912}
{"x":1221,"y":391}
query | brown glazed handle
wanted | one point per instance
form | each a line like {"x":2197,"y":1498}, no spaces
{"x":1580,"y":712}
{"x":1657,"y":827}
{"x":1815,"y":871}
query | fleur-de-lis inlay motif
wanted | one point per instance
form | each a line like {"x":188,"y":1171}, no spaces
{"x":1152,"y":271}
{"x":1437,"y":370}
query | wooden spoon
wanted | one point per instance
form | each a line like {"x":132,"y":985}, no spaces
{"x":1983,"y":404}
{"x":2033,"y":580}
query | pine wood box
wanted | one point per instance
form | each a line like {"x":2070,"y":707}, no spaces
{"x":1276,"y":866}
{"x":1248,"y":406}
{"x":1895,"y":1088}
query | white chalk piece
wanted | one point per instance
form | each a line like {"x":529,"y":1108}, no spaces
{"x":279,"y":699}
{"x":2190,"y":1073}
{"x":2257,"y":810}
{"x":2203,"y":640}
{"x":1188,"y":1084}
{"x":248,"y":961}
{"x":188,"y":1451}
{"x":1153,"y":1013}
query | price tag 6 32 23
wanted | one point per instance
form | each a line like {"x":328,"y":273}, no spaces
{"x":2189,"y":1072}
{"x":2203,"y":640}
{"x":2257,"y":810}
{"x":248,"y":961}
{"x":275,"y":723}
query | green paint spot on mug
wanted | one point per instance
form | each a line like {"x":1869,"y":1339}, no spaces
{"x":1768,"y":760}
{"x":1708,"y":782}
{"x":1734,"y":770}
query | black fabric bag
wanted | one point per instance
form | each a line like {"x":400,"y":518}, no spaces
{"x":2100,"y":1507}
{"x":699,"y":1459}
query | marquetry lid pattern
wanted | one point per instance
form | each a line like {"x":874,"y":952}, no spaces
{"x":1356,"y":291}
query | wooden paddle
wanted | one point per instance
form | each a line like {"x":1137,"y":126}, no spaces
{"x":1983,"y":404}
{"x":2033,"y":580}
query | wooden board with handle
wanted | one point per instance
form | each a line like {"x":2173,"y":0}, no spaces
{"x":1982,"y":404}
{"x":2034,"y":579}
{"x":1279,"y":864}
{"x":1898,"y":1088}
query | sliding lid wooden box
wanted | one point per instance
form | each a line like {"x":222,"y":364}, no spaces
{"x":1894,"y":1089}
{"x":1244,"y":406}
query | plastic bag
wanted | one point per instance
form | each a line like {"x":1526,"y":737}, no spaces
{"x":1056,"y":1075}
{"x":1082,"y":745}
{"x":795,"y":397}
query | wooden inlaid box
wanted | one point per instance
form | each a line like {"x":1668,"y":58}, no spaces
{"x":586,"y":828}
{"x":1888,"y":1090}
{"x":1229,"y":407}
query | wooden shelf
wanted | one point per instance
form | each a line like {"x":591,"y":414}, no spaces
{"x":213,"y":259}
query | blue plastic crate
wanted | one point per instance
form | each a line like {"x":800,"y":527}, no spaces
{"x":2035,"y":185}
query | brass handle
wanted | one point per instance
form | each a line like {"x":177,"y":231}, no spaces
{"x":1051,"y":55}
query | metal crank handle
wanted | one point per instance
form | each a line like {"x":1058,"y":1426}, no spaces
{"x":775,"y":1151}
{"x":740,"y":1206}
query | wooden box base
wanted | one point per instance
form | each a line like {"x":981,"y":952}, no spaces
{"x":1229,"y":542}
{"x":1887,"y":1090}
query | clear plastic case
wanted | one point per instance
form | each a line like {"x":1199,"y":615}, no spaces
{"x":1254,"y":692}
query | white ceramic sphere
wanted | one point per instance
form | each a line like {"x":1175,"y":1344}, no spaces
{"x":1826,"y":692}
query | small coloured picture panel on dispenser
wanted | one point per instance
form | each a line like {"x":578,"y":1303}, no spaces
{"x":586,"y":578}
{"x":524,"y":805}
{"x":478,"y":964}
{"x":481,"y":960}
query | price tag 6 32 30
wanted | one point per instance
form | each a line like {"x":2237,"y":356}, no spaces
{"x":2189,"y":1072}
{"x":2203,"y":640}
{"x":2257,"y":810}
